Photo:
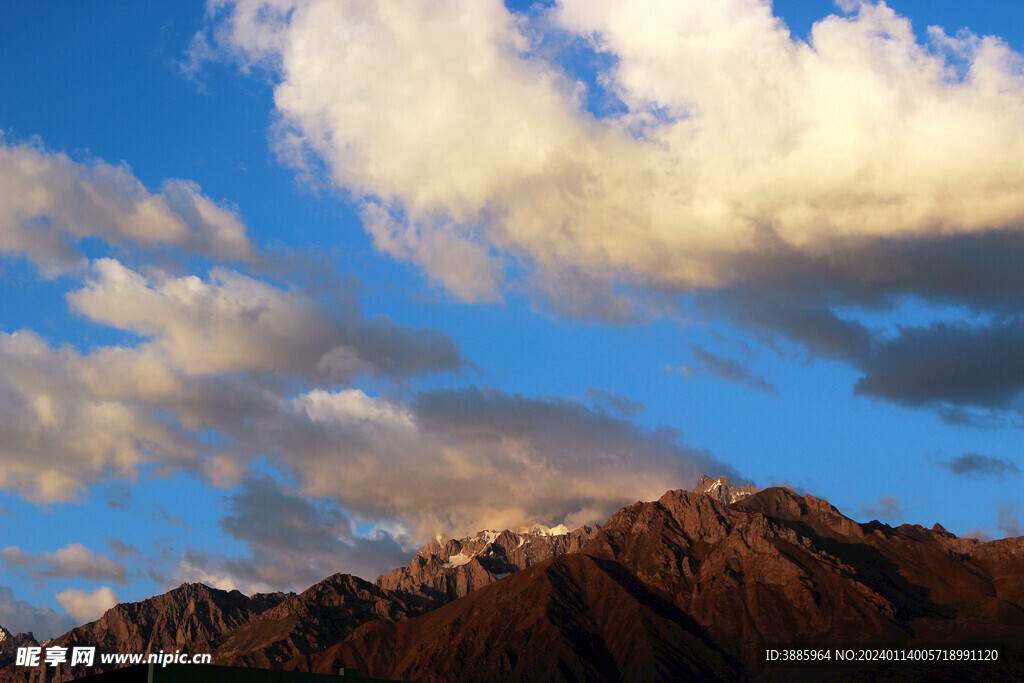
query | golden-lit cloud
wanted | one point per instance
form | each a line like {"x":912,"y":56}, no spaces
{"x":48,"y":203}
{"x":472,"y":152}
{"x":85,"y":606}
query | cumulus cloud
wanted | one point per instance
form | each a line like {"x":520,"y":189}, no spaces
{"x":458,"y":460}
{"x":49,"y":203}
{"x":85,"y":606}
{"x":57,"y":434}
{"x":293,"y":542}
{"x":18,"y":616}
{"x":972,"y":464}
{"x":215,"y":354}
{"x":782,"y":180}
{"x":233,"y":323}
{"x":72,"y":561}
{"x":736,"y":138}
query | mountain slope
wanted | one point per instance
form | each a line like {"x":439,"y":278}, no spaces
{"x":773,"y":569}
{"x":309,"y":622}
{"x":188,"y":618}
{"x":10,"y":642}
{"x":572,"y":617}
{"x":698,"y":584}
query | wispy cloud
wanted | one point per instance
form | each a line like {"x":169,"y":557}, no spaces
{"x":972,"y":464}
{"x":1008,"y":521}
{"x":293,"y":542}
{"x":886,"y":507}
{"x":728,"y":369}
{"x":73,"y":561}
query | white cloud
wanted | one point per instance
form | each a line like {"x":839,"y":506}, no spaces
{"x":56,"y":435}
{"x":86,"y":606}
{"x":72,"y":561}
{"x":48,"y":203}
{"x":233,"y":323}
{"x":214,"y":356}
{"x":471,"y":152}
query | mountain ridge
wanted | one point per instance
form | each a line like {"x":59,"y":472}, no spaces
{"x":701,"y":581}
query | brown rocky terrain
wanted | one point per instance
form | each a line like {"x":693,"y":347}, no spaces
{"x":448,"y":569}
{"x":697,"y":585}
{"x":310,"y":622}
{"x":10,"y":642}
{"x":573,"y":617}
{"x":772,"y":570}
{"x":188,"y":618}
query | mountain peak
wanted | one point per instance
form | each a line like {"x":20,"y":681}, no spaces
{"x":722,"y":490}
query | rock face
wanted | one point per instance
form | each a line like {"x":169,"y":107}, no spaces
{"x":308,"y":623}
{"x":10,"y":642}
{"x":721,"y":490}
{"x":188,"y":618}
{"x":448,"y":569}
{"x":572,"y":617}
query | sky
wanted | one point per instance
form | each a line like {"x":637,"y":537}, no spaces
{"x":290,"y":287}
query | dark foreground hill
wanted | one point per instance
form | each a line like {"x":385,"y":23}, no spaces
{"x":697,"y":585}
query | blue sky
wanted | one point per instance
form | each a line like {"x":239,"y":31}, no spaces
{"x":285,"y":291}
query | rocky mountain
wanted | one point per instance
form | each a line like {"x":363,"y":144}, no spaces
{"x":309,"y":622}
{"x":698,"y":585}
{"x":721,"y":490}
{"x":448,"y":569}
{"x":10,"y":642}
{"x":573,"y":617}
{"x":722,"y":583}
{"x":188,"y":618}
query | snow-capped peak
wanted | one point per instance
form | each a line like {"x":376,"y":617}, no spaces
{"x":541,"y":530}
{"x":721,"y":490}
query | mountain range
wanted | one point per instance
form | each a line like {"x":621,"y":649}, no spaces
{"x":698,"y":585}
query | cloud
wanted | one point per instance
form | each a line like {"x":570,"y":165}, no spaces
{"x":729,"y":370}
{"x":615,"y":403}
{"x":972,"y":464}
{"x":458,"y":460}
{"x":49,"y":203}
{"x":735,"y":139}
{"x":960,"y":364}
{"x":57,"y":434}
{"x":1008,"y":521}
{"x":233,"y":323}
{"x":85,"y":606}
{"x":215,"y":354}
{"x":886,"y":507}
{"x":18,"y":616}
{"x":790,"y":185}
{"x":293,"y":542}
{"x":73,"y":561}
{"x":978,"y":533}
